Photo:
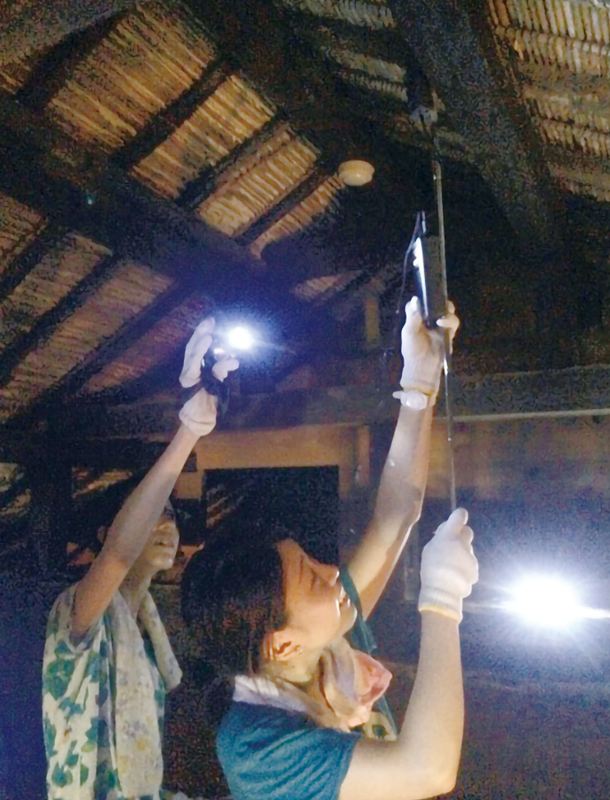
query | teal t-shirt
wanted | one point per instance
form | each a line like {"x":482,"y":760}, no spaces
{"x":269,"y":753}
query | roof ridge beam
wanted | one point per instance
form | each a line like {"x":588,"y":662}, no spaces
{"x":440,"y":35}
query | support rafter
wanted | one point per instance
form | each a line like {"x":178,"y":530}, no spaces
{"x":163,"y":124}
{"x":210,"y":178}
{"x":20,"y":267}
{"x":321,"y":173}
{"x":56,"y":67}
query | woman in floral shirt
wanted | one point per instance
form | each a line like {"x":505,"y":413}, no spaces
{"x":108,"y":662}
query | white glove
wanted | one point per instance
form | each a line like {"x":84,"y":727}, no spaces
{"x":199,"y":413}
{"x":449,"y":567}
{"x":423,"y":353}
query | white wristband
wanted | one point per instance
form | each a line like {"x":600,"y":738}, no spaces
{"x":414,"y":399}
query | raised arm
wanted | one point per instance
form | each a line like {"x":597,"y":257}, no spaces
{"x":424,"y":761}
{"x":133,"y":524}
{"x":403,"y":480}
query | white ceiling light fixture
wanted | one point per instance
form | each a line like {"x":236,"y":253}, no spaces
{"x":356,"y":172}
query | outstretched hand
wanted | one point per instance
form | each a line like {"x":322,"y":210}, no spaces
{"x":199,"y":413}
{"x":423,"y":350}
{"x":449,"y":567}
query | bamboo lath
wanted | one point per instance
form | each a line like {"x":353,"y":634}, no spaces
{"x":577,"y":20}
{"x":595,"y":185}
{"x":18,"y":506}
{"x":561,"y":54}
{"x":388,"y":88}
{"x":261,"y":182}
{"x":168,"y":334}
{"x":131,"y":289}
{"x":317,"y":289}
{"x":145,"y":63}
{"x":323,"y":200}
{"x":19,"y":226}
{"x":590,"y":58}
{"x":375,"y":14}
{"x":572,"y":137}
{"x":228,"y":118}
{"x":14,"y":75}
{"x":86,"y":482}
{"x":51,"y":280}
{"x":375,"y":67}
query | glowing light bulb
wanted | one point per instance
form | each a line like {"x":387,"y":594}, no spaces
{"x":240,"y":338}
{"x":546,"y":601}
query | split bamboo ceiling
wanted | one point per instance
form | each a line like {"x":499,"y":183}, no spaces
{"x":559,"y":53}
{"x":155,"y":100}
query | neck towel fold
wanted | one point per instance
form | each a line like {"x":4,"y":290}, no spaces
{"x":349,"y":683}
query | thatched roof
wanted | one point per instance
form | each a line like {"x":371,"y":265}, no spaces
{"x":181,"y":154}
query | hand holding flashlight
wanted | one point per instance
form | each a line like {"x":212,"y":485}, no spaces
{"x":199,"y":413}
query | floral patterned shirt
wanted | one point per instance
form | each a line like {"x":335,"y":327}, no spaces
{"x":81,"y":703}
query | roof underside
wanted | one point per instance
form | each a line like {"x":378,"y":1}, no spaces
{"x":178,"y":154}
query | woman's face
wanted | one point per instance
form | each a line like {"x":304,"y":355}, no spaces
{"x":160,"y":550}
{"x":317,"y":606}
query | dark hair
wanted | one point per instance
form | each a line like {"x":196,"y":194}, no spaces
{"x":231,"y":599}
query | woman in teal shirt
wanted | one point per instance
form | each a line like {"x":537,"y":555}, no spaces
{"x":274,"y":621}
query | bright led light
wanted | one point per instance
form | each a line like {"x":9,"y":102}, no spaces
{"x":240,"y":338}
{"x":546,"y":601}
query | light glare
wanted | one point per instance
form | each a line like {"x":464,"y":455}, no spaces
{"x":546,"y":601}
{"x":240,"y":338}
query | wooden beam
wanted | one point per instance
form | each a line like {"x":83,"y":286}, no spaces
{"x":46,"y":325}
{"x":31,"y":25}
{"x":163,"y":124}
{"x":444,"y":43}
{"x":56,"y":67}
{"x":285,"y":206}
{"x":553,"y":394}
{"x":289,"y":71}
{"x":148,"y":228}
{"x":29,"y":258}
{"x":210,"y":178}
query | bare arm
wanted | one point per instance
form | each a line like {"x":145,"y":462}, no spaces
{"x":424,"y":761}
{"x":132,"y":526}
{"x":404,"y":477}
{"x":129,"y":533}
{"x":397,"y":508}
